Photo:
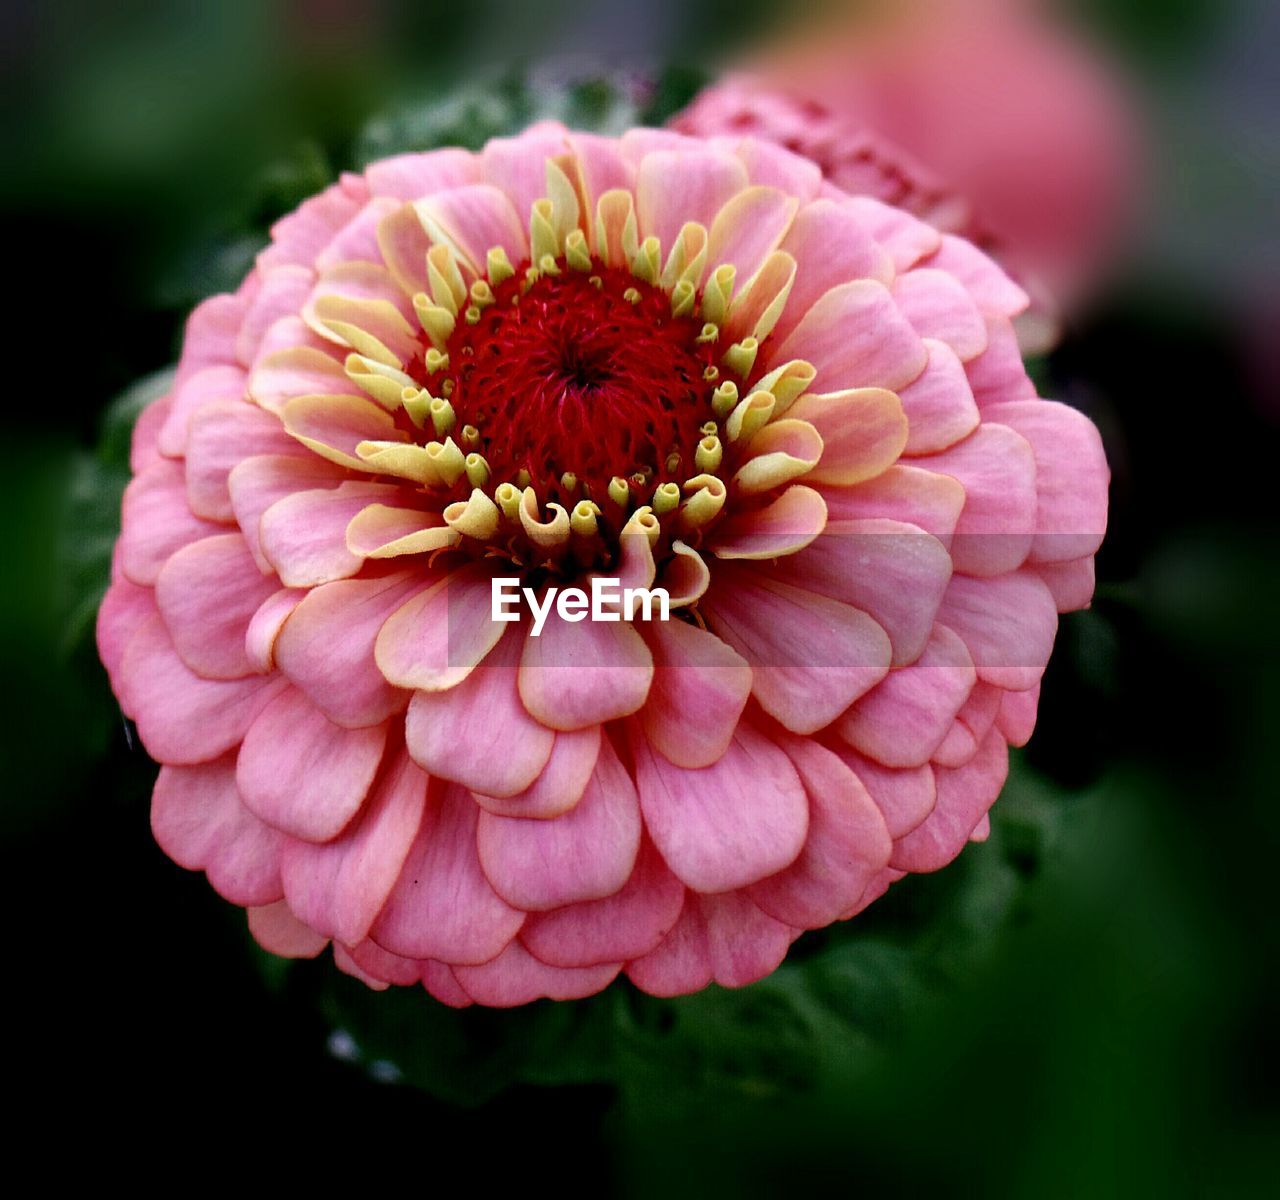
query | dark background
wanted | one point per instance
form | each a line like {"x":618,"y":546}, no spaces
{"x":1084,"y":1005}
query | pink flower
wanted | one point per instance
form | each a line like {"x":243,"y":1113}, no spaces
{"x":652,"y":358}
{"x":982,"y":118}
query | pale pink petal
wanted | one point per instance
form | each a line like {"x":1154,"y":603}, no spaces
{"x":280,"y":376}
{"x":265,"y":625}
{"x":200,"y":822}
{"x":902,"y":493}
{"x":848,"y":844}
{"x":810,"y":656}
{"x":586,"y":854}
{"x":257,"y":483}
{"x":561,"y":784}
{"x":412,"y":176}
{"x":183,"y":719}
{"x":830,"y":247}
{"x":437,"y":638}
{"x":772,"y":165}
{"x":303,"y":774}
{"x":789,"y":523}
{"x":299,"y":237}
{"x":689,"y":184}
{"x":339,"y":888}
{"x":903,"y":721}
{"x":516,"y":977}
{"x":333,"y":426}
{"x":939,"y":307}
{"x":894,"y":572}
{"x":747,"y":228}
{"x":357,"y":240}
{"x":304,"y":535}
{"x":518,"y":165}
{"x":326,"y":647}
{"x":700,"y":687}
{"x":863,"y":433}
{"x":474,"y":219}
{"x":998,"y":521}
{"x":729,"y":824}
{"x":143,"y":447}
{"x":939,"y":404}
{"x":856,"y":337}
{"x":618,"y":928}
{"x":442,"y":906}
{"x":220,"y":436}
{"x":278,"y":931}
{"x":964,"y":795}
{"x":574,"y":675}
{"x":602,"y":167}
{"x":1008,"y":625}
{"x":217,"y":382}
{"x":998,"y":374}
{"x":209,"y":338}
{"x":281,"y":294}
{"x":995,"y":293}
{"x":905,"y":238}
{"x":1071,"y":476}
{"x":207,"y":593}
{"x":479,"y":733}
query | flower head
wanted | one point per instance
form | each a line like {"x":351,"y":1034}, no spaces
{"x":678,"y":362}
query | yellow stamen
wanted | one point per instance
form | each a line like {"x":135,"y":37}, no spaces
{"x":403,"y":461}
{"x":724,"y":398}
{"x":619,"y":493}
{"x":442,"y":416}
{"x":647,"y":260}
{"x":709,"y":453}
{"x":751,"y":414}
{"x":576,"y":252}
{"x":477,"y":469}
{"x":417,"y":403}
{"x":447,"y":286}
{"x":436,"y":361}
{"x":788,"y":382}
{"x":631,"y":296}
{"x":384,"y":383}
{"x":542,"y":231}
{"x":508,"y":497}
{"x":449,"y":461}
{"x":741,"y":356}
{"x":710,"y":332}
{"x":707,"y":499}
{"x":666,"y":497}
{"x":683,"y":296}
{"x":643,"y":521}
{"x":498,"y":266}
{"x":437,"y":320}
{"x":569,"y":482}
{"x":470,"y":436}
{"x":481,"y":294}
{"x":719,"y":291}
{"x":476,"y":516}
{"x":583,"y":518}
{"x":546,"y":534}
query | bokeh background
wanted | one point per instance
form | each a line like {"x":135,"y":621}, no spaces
{"x":1084,"y":1005}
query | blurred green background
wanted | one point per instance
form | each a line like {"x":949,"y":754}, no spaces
{"x":1084,"y":1005}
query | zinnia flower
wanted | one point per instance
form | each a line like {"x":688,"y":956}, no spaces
{"x":659,"y":359}
{"x":982,"y":118}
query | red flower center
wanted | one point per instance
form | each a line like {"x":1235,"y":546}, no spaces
{"x":582,"y":374}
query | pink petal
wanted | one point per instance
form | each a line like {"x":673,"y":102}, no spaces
{"x":218,"y":382}
{"x":811,"y":656}
{"x":305,"y":232}
{"x":586,"y":854}
{"x":848,"y":844}
{"x":585,"y":674}
{"x":1071,"y":476}
{"x":123,"y":610}
{"x":772,"y":165}
{"x":357,"y":240}
{"x":412,"y":176}
{"x":743,"y":943}
{"x":476,"y":218}
{"x":278,"y":931}
{"x":479,"y":732}
{"x":281,"y":294}
{"x":602,"y":166}
{"x":1017,"y":717}
{"x":700,"y":687}
{"x":518,"y":165}
{"x":995,"y":293}
{"x":939,"y":406}
{"x":561,"y":784}
{"x":903,"y":721}
{"x":200,"y":822}
{"x":863,"y":433}
{"x":680,"y":963}
{"x":442,"y":906}
{"x":1008,"y":625}
{"x":964,"y":795}
{"x":618,"y":928}
{"x":905,"y":797}
{"x":830,"y":247}
{"x":183,"y":719}
{"x":340,"y":887}
{"x":264,"y":628}
{"x":257,"y":483}
{"x":894,"y":572}
{"x":303,"y":774}
{"x":326,"y":648}
{"x":973,"y":723}
{"x":689,"y":184}
{"x":298,"y":371}
{"x":856,"y":337}
{"x":440,"y":981}
{"x":437,"y":638}
{"x":221,"y":435}
{"x":304,"y":535}
{"x":143,"y":448}
{"x":747,"y":228}
{"x":902,"y":493}
{"x":905,"y":239}
{"x":728,"y":824}
{"x":209,"y":338}
{"x":789,"y":523}
{"x":207,"y":593}
{"x":1070,"y":583}
{"x":516,"y":977}
{"x":939,"y":307}
{"x":156,"y":522}
{"x":998,"y":471}
{"x":998,"y":374}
